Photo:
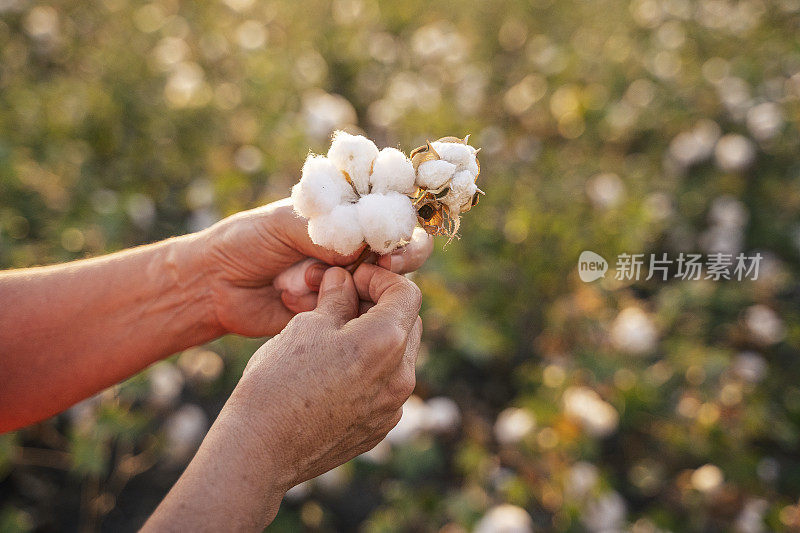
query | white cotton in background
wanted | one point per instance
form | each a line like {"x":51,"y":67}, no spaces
{"x":513,"y":424}
{"x":751,"y":517}
{"x":184,"y":431}
{"x":596,"y":416}
{"x":333,"y":481}
{"x":411,"y":424}
{"x":353,"y":154}
{"x":387,"y":220}
{"x":339,"y":230}
{"x":166,"y":383}
{"x":434,"y":174}
{"x":444,"y":416}
{"x":293,"y":279}
{"x":461,"y":155}
{"x":299,"y":492}
{"x":462,"y":189}
{"x":321,"y":188}
{"x":750,"y":366}
{"x":707,"y":479}
{"x":505,"y":518}
{"x":581,"y":480}
{"x":392,"y":171}
{"x":605,"y":513}
{"x":634,"y":332}
{"x":379,"y":455}
{"x":734,"y":153}
{"x":764,"y":325}
{"x":199,"y":365}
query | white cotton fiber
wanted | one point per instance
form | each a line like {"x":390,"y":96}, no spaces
{"x":461,"y":155}
{"x":321,"y":188}
{"x":353,"y":154}
{"x":392,"y":171}
{"x":386,"y":220}
{"x":338,"y":230}
{"x":434,"y":174}
{"x":462,"y":189}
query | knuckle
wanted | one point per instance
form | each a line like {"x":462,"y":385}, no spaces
{"x":401,"y":387}
{"x":394,"y":419}
{"x":414,"y":294}
{"x":395,"y":338}
{"x":305,"y":321}
{"x":408,"y":385}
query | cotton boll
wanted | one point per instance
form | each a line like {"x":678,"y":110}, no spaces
{"x":392,"y":171}
{"x":462,"y":189}
{"x":321,"y":188}
{"x":461,"y":155}
{"x":434,"y":174}
{"x":386,"y":220}
{"x":353,"y":154}
{"x":473,"y":167}
{"x":338,"y":230}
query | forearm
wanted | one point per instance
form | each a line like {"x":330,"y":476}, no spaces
{"x":71,"y":330}
{"x":232,"y":484}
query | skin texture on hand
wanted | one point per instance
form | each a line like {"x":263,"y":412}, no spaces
{"x":72,"y":330}
{"x":326,"y":389}
{"x":246,"y":252}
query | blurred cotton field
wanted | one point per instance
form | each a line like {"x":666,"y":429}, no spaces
{"x":543,"y":403}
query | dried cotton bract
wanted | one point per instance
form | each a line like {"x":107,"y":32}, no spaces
{"x":447,"y":172}
{"x":359,"y":194}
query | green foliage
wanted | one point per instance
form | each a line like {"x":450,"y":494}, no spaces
{"x":602,"y":125}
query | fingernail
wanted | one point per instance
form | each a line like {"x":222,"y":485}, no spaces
{"x":397,"y":262}
{"x":334,"y":277}
{"x":314,"y":275}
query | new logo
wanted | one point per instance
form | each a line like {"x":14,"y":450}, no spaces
{"x":591,"y":266}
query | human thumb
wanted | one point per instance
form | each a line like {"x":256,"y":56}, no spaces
{"x":338,"y":297}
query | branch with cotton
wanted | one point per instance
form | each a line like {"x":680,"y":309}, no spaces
{"x":358,"y":194}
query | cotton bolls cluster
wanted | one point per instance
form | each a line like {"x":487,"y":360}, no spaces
{"x":357,"y":193}
{"x":447,"y":171}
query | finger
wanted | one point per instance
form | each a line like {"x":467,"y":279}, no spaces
{"x":299,"y":303}
{"x":364,"y":306}
{"x":314,"y":273}
{"x":397,"y":299}
{"x":411,"y":256}
{"x":298,"y":278}
{"x":338,"y":298}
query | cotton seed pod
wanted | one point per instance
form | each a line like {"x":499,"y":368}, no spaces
{"x":392,"y":171}
{"x":422,"y":154}
{"x":353,"y":155}
{"x":321,"y":188}
{"x":462,"y":190}
{"x":433,"y":174}
{"x":387,"y":220}
{"x":447,"y":170}
{"x":339,"y":230}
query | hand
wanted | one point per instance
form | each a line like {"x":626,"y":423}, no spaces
{"x":244,"y":254}
{"x":327,"y":388}
{"x":337,"y":380}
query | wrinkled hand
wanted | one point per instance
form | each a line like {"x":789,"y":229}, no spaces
{"x":329,"y":387}
{"x":244,"y":254}
{"x":332,"y":384}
